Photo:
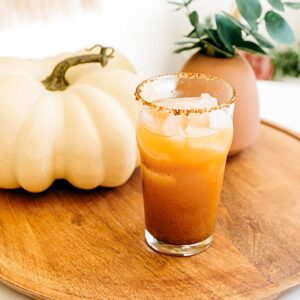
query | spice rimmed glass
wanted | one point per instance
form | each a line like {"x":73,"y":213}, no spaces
{"x":183,"y":145}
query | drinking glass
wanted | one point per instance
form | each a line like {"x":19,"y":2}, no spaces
{"x":184,"y":134}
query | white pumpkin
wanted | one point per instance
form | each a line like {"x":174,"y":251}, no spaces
{"x":84,"y":133}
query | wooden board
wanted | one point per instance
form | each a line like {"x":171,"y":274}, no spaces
{"x":71,"y":244}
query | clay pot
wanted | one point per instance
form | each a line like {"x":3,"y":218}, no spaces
{"x":238,"y":72}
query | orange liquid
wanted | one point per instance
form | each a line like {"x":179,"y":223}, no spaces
{"x":182,"y":180}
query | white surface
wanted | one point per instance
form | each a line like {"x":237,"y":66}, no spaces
{"x":146,"y":32}
{"x":280,"y":102}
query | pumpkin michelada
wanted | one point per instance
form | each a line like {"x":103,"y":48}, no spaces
{"x":184,"y":134}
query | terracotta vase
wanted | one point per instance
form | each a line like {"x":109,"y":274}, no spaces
{"x":238,"y":72}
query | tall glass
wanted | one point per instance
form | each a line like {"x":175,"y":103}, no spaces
{"x":184,"y":136}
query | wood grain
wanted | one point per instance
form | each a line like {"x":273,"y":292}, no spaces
{"x":70,"y":244}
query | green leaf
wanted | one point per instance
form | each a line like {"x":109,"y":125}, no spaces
{"x":213,"y":35}
{"x":259,"y":38}
{"x":277,"y":4}
{"x":235,"y":21}
{"x":251,"y":10}
{"x":262,"y":40}
{"x":293,"y":5}
{"x":208,"y":47}
{"x":228,"y":32}
{"x":194,"y":19}
{"x":278,"y":28}
{"x":250,"y":47}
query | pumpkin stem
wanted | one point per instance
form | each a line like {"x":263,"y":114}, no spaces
{"x":57,"y":80}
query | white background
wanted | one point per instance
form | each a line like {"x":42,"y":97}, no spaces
{"x":144,"y":30}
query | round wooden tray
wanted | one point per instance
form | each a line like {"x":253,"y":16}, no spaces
{"x":70,"y":244}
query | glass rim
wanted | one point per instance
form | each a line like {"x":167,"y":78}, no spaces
{"x":179,"y":111}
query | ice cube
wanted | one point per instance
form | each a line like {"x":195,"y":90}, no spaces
{"x":208,"y":101}
{"x":168,"y":124}
{"x":193,"y":132}
{"x":171,"y":125}
{"x":152,"y":119}
{"x":199,"y":120}
{"x":219,"y":119}
{"x":162,"y":123}
{"x":147,"y":118}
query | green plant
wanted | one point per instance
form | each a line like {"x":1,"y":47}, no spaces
{"x":287,"y":62}
{"x":222,"y":35}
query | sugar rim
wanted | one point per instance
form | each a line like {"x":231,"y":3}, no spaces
{"x":180,"y":111}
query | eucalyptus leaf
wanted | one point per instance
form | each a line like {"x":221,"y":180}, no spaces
{"x":293,"y":5}
{"x":278,"y":28}
{"x":229,"y":33}
{"x":213,"y":35}
{"x":235,"y":21}
{"x":277,"y":4}
{"x":251,"y":47}
{"x":259,"y":38}
{"x":262,"y":40}
{"x":224,"y":35}
{"x":209,"y":48}
{"x":251,"y":10}
{"x":194,"y":19}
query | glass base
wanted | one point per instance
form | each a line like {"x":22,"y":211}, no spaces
{"x":177,"y":250}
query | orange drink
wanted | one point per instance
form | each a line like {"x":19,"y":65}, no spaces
{"x":183,"y":144}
